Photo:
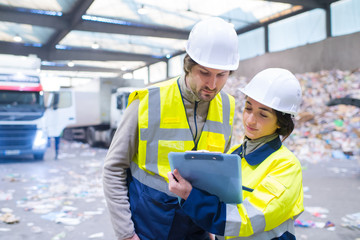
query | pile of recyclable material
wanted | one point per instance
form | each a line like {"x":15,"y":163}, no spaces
{"x":323,"y":131}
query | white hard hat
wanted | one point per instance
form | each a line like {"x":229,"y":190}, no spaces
{"x":213,"y":43}
{"x":276,"y":88}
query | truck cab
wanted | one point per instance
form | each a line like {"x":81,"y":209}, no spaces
{"x":119,"y":102}
{"x":22,"y":123}
{"x":27,"y":119}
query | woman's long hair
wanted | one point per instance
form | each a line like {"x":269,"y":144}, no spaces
{"x":286,"y":124}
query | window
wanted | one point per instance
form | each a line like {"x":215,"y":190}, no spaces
{"x":302,"y":29}
{"x":345,"y":17}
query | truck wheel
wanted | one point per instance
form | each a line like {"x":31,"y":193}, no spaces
{"x":39,"y":156}
{"x":109,"y":139}
{"x":68,"y":135}
{"x":90,"y":136}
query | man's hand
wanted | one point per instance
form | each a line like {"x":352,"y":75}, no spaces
{"x":179,"y":185}
{"x":135,"y":237}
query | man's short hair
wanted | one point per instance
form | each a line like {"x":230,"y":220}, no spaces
{"x":189,"y":63}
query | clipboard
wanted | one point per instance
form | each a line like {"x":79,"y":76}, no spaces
{"x":216,"y":173}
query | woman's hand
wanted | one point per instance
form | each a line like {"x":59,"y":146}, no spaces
{"x":179,"y":185}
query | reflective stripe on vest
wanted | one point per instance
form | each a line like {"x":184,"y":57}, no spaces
{"x":285,"y":231}
{"x":150,"y":180}
{"x":164,"y":128}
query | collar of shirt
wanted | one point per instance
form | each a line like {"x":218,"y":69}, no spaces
{"x":186,"y":92}
{"x":251,"y":145}
{"x":261,"y":153}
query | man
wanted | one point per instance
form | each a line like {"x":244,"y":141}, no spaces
{"x":186,"y":113}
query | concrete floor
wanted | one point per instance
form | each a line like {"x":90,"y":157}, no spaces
{"x":38,"y":191}
{"x":332,"y":188}
{"x":69,"y":187}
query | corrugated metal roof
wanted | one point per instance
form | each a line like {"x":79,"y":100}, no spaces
{"x":123,"y":35}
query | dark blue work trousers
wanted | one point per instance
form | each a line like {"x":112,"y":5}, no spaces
{"x":158,"y":216}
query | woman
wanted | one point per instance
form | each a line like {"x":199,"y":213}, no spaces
{"x":271,"y":174}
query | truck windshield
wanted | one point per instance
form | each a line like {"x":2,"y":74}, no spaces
{"x":21,"y":100}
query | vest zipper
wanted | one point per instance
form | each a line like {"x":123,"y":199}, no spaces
{"x":243,"y":151}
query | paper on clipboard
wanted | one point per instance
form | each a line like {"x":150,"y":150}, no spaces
{"x":216,"y":173}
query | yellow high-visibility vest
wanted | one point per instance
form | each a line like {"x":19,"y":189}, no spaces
{"x":272,"y":194}
{"x":163,"y":126}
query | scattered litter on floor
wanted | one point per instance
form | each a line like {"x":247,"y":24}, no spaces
{"x":68,"y":220}
{"x":5,"y":229}
{"x":317,"y":211}
{"x":97,"y":235}
{"x":6,"y":196}
{"x":9,"y":218}
{"x":13,"y":177}
{"x":36,"y":229}
{"x":59,"y":236}
{"x":351,"y":221}
{"x":315,"y":224}
{"x":6,"y":210}
{"x":330,"y":225}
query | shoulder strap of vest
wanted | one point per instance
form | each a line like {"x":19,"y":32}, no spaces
{"x":235,"y":149}
{"x":135,"y":95}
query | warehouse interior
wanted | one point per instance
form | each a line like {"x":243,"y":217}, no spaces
{"x":95,"y":47}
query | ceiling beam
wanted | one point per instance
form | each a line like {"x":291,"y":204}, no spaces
{"x":99,"y":55}
{"x":73,"y":19}
{"x":11,"y":15}
{"x":74,"y":54}
{"x":77,"y":68}
{"x":21,"y":49}
{"x":61,"y":23}
{"x":137,"y":29}
{"x":305,"y":3}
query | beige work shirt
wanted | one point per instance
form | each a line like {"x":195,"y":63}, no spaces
{"x":122,"y":150}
